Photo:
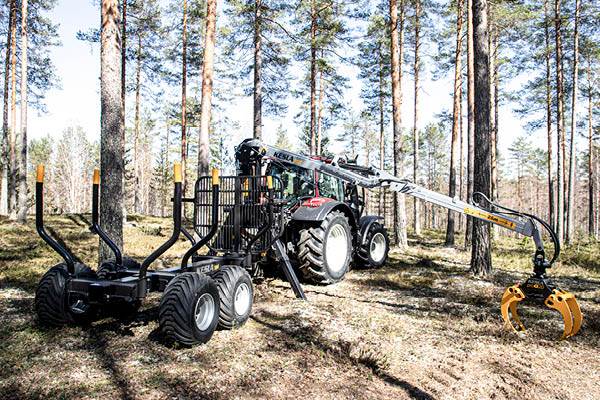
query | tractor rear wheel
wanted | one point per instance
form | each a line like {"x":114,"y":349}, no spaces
{"x":373,"y":253}
{"x":324,"y":251}
{"x":54,"y":306}
{"x":189,"y":309}
{"x":236,"y":295}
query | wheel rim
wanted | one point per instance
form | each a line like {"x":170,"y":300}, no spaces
{"x":377,"y":247}
{"x":242,"y":299}
{"x":205,"y":311}
{"x":337,"y":248}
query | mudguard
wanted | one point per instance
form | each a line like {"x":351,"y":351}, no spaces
{"x":364,"y":224}
{"x":318,"y":214}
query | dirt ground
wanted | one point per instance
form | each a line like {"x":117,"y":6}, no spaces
{"x":421,"y":327}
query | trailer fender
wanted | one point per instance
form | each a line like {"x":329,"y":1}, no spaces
{"x":364,"y":224}
{"x":318,"y":214}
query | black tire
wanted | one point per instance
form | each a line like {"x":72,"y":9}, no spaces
{"x":369,"y":254}
{"x":176,"y":312}
{"x":315,"y":264}
{"x":52,"y":303}
{"x":234,"y":282}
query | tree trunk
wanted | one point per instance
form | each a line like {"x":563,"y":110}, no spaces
{"x":12,"y":177}
{"x":481,"y":258}
{"x":313,"y":75}
{"x":258,"y":69}
{"x":591,"y":178}
{"x":184,"y":97}
{"x":572,"y":155}
{"x":111,"y":120}
{"x":5,"y":166}
{"x":493,"y":45}
{"x":470,"y":117}
{"x":416,"y":202}
{"x":22,"y":139}
{"x":320,"y":113}
{"x":136,"y":134}
{"x":207,"y":86}
{"x":124,"y":59}
{"x":381,"y":127}
{"x":454,"y":149}
{"x":397,"y":39}
{"x":551,"y":211}
{"x":559,"y":124}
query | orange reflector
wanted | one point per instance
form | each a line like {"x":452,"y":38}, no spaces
{"x":177,"y":173}
{"x":96,"y":179}
{"x":215,"y":176}
{"x":40,"y":173}
{"x":269,"y":182}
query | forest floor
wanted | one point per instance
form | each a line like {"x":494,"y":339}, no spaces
{"x":420,"y":327}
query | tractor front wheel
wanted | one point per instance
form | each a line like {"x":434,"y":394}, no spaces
{"x":324,"y":251}
{"x":374,"y":251}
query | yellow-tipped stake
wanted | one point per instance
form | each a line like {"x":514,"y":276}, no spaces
{"x":177,"y":173}
{"x":215,"y":176}
{"x":96,"y":178}
{"x":269,"y":182}
{"x":40,"y":173}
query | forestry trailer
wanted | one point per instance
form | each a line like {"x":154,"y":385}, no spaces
{"x":302,"y":214}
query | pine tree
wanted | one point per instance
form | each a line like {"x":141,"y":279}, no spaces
{"x":111,"y":164}
{"x":481,"y":259}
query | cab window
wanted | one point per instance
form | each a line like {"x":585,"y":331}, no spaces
{"x":297,"y":182}
{"x":330,"y":187}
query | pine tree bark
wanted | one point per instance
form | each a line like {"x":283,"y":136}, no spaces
{"x":381,"y":125}
{"x":136,"y":129}
{"x":417,"y":67}
{"x":481,"y":259}
{"x":258,"y":59}
{"x":493,"y":45}
{"x":184,"y":96}
{"x":111,"y":121}
{"x":5,"y":167}
{"x":124,"y":59}
{"x":313,"y":76}
{"x":559,"y":123}
{"x":396,"y":43}
{"x":454,"y":141}
{"x":572,"y":153}
{"x":550,"y":162}
{"x":22,"y":137}
{"x":12,"y":176}
{"x":591,"y":177}
{"x":470,"y":116}
{"x":207,"y":87}
{"x":320,"y":113}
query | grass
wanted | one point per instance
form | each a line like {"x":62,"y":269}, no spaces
{"x":420,"y":327}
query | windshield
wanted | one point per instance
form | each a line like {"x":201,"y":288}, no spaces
{"x":297,"y":182}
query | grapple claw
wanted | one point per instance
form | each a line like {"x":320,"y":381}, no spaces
{"x":510,"y":299}
{"x":566,"y":304}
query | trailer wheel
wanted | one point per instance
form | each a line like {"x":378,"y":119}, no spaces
{"x":119,"y":309}
{"x":236,"y":295}
{"x":373,"y":253}
{"x":54,"y":306}
{"x":325,"y":251}
{"x":189,"y":309}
